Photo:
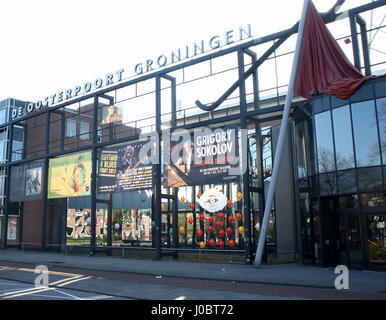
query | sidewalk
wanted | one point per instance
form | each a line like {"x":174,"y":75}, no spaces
{"x":283,"y":274}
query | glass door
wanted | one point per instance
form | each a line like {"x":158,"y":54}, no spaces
{"x":167,"y":229}
{"x":169,"y":221}
{"x":354,"y":241}
{"x":376,"y":240}
{"x":342,"y":240}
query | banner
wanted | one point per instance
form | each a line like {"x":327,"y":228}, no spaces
{"x":12,"y":229}
{"x":121,"y":170}
{"x":26,"y":182}
{"x":210,"y":156}
{"x":70,"y":176}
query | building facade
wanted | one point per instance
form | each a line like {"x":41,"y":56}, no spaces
{"x":76,"y":176}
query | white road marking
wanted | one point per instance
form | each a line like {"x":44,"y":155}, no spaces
{"x":98,"y":297}
{"x":59,"y":283}
{"x":67,"y":294}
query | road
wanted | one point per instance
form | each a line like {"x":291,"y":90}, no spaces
{"x":69,"y":283}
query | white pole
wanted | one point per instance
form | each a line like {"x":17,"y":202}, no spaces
{"x":280,"y":143}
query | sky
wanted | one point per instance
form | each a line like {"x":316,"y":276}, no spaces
{"x":51,"y":45}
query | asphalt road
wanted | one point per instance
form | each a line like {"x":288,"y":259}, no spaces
{"x":64,"y":283}
{"x":15,"y":290}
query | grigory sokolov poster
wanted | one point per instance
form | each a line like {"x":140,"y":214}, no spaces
{"x":209,"y":157}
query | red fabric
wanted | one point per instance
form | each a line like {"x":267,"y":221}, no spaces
{"x":323,"y":66}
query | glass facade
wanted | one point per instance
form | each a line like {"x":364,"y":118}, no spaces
{"x":79,"y":179}
{"x":349,"y":179}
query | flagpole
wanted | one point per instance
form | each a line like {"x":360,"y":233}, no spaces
{"x":280,"y":143}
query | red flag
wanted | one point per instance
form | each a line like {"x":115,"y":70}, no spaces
{"x":323,"y":66}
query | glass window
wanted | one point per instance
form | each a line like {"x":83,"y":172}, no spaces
{"x":3,"y":150}
{"x":70,"y":128}
{"x":301,"y":151}
{"x":18,"y":133}
{"x":373,"y":200}
{"x":328,"y":184}
{"x":84,"y":130}
{"x":17,"y":150}
{"x":267,"y":152}
{"x":325,"y":147}
{"x":365,"y":134}
{"x":344,"y":149}
{"x":370,"y":179}
{"x":354,"y":239}
{"x":347,"y":182}
{"x":3,"y":134}
{"x":381,"y":109}
{"x":376,"y":239}
{"x":321,"y":104}
{"x":2,"y":184}
{"x":346,"y":202}
{"x":3,"y":115}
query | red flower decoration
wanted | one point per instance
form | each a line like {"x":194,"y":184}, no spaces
{"x":221,"y":233}
{"x":202,"y":216}
{"x":199,"y":232}
{"x":230,"y":219}
{"x":239,"y":216}
{"x":229,"y":203}
{"x":190,"y":220}
{"x":221,"y":215}
{"x":211,"y":219}
{"x":218,"y":224}
{"x":229,"y":230}
{"x":210,"y":229}
{"x":231,"y":243}
{"x":191,"y":205}
{"x":198,"y":195}
{"x":212,"y":242}
{"x":221,"y":244}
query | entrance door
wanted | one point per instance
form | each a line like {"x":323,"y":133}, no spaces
{"x":331,"y":237}
{"x":57,"y":224}
{"x":169,"y":222}
{"x":342,"y":240}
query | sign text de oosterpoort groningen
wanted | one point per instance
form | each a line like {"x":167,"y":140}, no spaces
{"x":148,"y":65}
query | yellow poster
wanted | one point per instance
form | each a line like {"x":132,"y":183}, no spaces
{"x":70,"y":176}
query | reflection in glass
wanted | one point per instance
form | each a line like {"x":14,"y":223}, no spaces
{"x":3,"y":115}
{"x":381,"y":109}
{"x":326,"y":161}
{"x":370,"y":178}
{"x":347,"y":181}
{"x":346,"y":202}
{"x":376,"y":239}
{"x":343,"y":138}
{"x":78,"y":228}
{"x":301,"y":150}
{"x":373,"y":200}
{"x":354,"y":239}
{"x":267,"y":152}
{"x":365,"y":134}
{"x":328,"y":184}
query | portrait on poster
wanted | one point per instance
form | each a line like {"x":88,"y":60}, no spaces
{"x":210,"y":155}
{"x":121,"y":169}
{"x":33,"y":184}
{"x":70,"y":176}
